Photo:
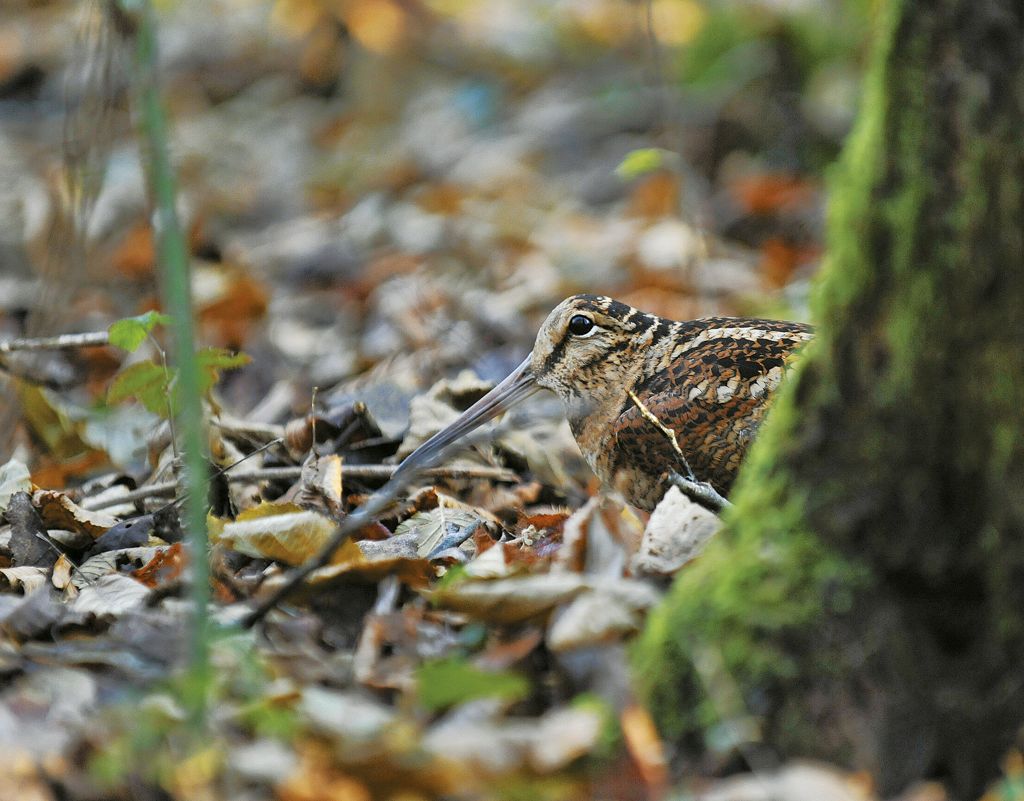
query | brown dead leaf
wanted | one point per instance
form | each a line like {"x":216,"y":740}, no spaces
{"x":655,"y":195}
{"x":373,"y":565}
{"x":61,"y":576}
{"x":165,"y":567}
{"x":780,"y":259}
{"x":58,"y":511}
{"x":765,"y":194}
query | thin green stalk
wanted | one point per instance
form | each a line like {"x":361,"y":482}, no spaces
{"x":172,"y":254}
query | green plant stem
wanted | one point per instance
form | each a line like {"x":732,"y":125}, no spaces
{"x":172,"y":254}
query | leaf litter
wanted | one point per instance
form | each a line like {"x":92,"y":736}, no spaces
{"x":398,"y":257}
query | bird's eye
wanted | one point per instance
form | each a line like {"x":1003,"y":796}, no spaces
{"x":580,"y":325}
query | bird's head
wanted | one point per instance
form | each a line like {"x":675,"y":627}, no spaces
{"x":587,"y":348}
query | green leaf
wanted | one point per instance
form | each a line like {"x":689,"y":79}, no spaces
{"x":212,"y":361}
{"x":452,"y":681}
{"x":130,"y":332}
{"x":640,"y":162}
{"x":149,"y":382}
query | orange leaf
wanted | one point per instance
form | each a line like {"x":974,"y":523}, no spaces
{"x":646,"y":748}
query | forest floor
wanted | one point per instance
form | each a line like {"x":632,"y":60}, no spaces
{"x":380,"y":214}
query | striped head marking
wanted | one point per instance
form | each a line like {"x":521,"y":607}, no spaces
{"x":588,"y":344}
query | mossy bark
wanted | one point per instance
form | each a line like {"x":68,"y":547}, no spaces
{"x":867,"y":597}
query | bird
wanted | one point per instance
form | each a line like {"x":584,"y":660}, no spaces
{"x":648,"y":400}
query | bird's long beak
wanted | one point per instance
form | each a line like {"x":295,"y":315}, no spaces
{"x":518,"y":386}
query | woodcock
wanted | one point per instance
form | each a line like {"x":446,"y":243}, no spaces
{"x":630,"y":381}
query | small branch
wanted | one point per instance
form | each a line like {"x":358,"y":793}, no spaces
{"x":90,"y":339}
{"x":371,"y":471}
{"x":668,"y":432}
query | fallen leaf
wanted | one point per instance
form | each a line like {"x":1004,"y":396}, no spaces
{"x":30,"y":544}
{"x":110,"y":596}
{"x":608,"y":611}
{"x":61,"y":577}
{"x":647,"y":750}
{"x":440,"y":528}
{"x":167,"y":565}
{"x":14,"y":477}
{"x":111,"y":562}
{"x":676,"y":533}
{"x":289,"y":537}
{"x":23,"y":579}
{"x":58,"y":511}
{"x":510,"y":600}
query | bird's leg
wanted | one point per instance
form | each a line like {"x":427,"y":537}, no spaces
{"x":699,"y":492}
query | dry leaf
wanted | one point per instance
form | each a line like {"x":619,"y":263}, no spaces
{"x":510,"y":600}
{"x":14,"y":477}
{"x":607,"y":612}
{"x":23,"y":579}
{"x":676,"y":533}
{"x":61,"y":577}
{"x":646,"y":748}
{"x":111,"y":562}
{"x":58,"y":511}
{"x":166,"y":566}
{"x":110,"y":596}
{"x":440,"y":528}
{"x":289,"y":537}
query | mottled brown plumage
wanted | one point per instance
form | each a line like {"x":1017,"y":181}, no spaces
{"x":708,"y":380}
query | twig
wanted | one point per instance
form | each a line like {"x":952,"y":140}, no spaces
{"x":89,"y":339}
{"x":371,"y":471}
{"x":668,"y":432}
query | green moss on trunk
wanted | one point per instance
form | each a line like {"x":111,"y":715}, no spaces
{"x":867,"y":597}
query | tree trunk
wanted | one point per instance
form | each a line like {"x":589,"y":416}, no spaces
{"x":867,"y":597}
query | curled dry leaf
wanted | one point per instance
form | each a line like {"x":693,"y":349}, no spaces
{"x":22,"y":579}
{"x":676,"y":533}
{"x":320,"y":485}
{"x":62,"y":569}
{"x":375,"y":561}
{"x":58,"y":511}
{"x":439,"y":406}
